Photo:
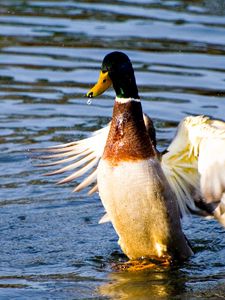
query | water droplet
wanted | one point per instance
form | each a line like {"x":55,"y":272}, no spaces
{"x":89,"y":101}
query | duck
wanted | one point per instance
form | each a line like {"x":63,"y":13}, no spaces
{"x":146,"y":193}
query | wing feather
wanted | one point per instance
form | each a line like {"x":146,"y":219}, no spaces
{"x":79,"y":172}
{"x":81,"y":156}
{"x":195,"y":164}
{"x":86,"y":182}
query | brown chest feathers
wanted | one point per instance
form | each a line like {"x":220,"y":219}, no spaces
{"x":128,"y":139}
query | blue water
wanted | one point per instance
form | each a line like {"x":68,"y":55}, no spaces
{"x":50,"y":54}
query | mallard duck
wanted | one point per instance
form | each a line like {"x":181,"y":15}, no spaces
{"x":145,"y":193}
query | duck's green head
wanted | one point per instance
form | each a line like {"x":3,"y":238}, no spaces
{"x":116,"y":70}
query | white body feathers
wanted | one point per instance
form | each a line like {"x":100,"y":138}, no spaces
{"x":135,"y":196}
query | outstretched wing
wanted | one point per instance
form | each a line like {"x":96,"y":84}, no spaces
{"x":80,"y":157}
{"x":195,"y":165}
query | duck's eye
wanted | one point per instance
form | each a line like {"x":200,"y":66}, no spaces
{"x":104,"y":81}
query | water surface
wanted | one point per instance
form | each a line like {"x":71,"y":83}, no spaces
{"x":50,"y":53}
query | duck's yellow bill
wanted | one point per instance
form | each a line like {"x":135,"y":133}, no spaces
{"x":104,"y":82}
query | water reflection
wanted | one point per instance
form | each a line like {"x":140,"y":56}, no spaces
{"x":144,"y":285}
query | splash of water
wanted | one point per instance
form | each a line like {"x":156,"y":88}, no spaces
{"x":89,"y":101}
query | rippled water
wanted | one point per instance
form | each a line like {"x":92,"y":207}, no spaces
{"x":50,"y":53}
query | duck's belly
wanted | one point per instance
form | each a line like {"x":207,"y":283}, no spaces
{"x":133,"y":196}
